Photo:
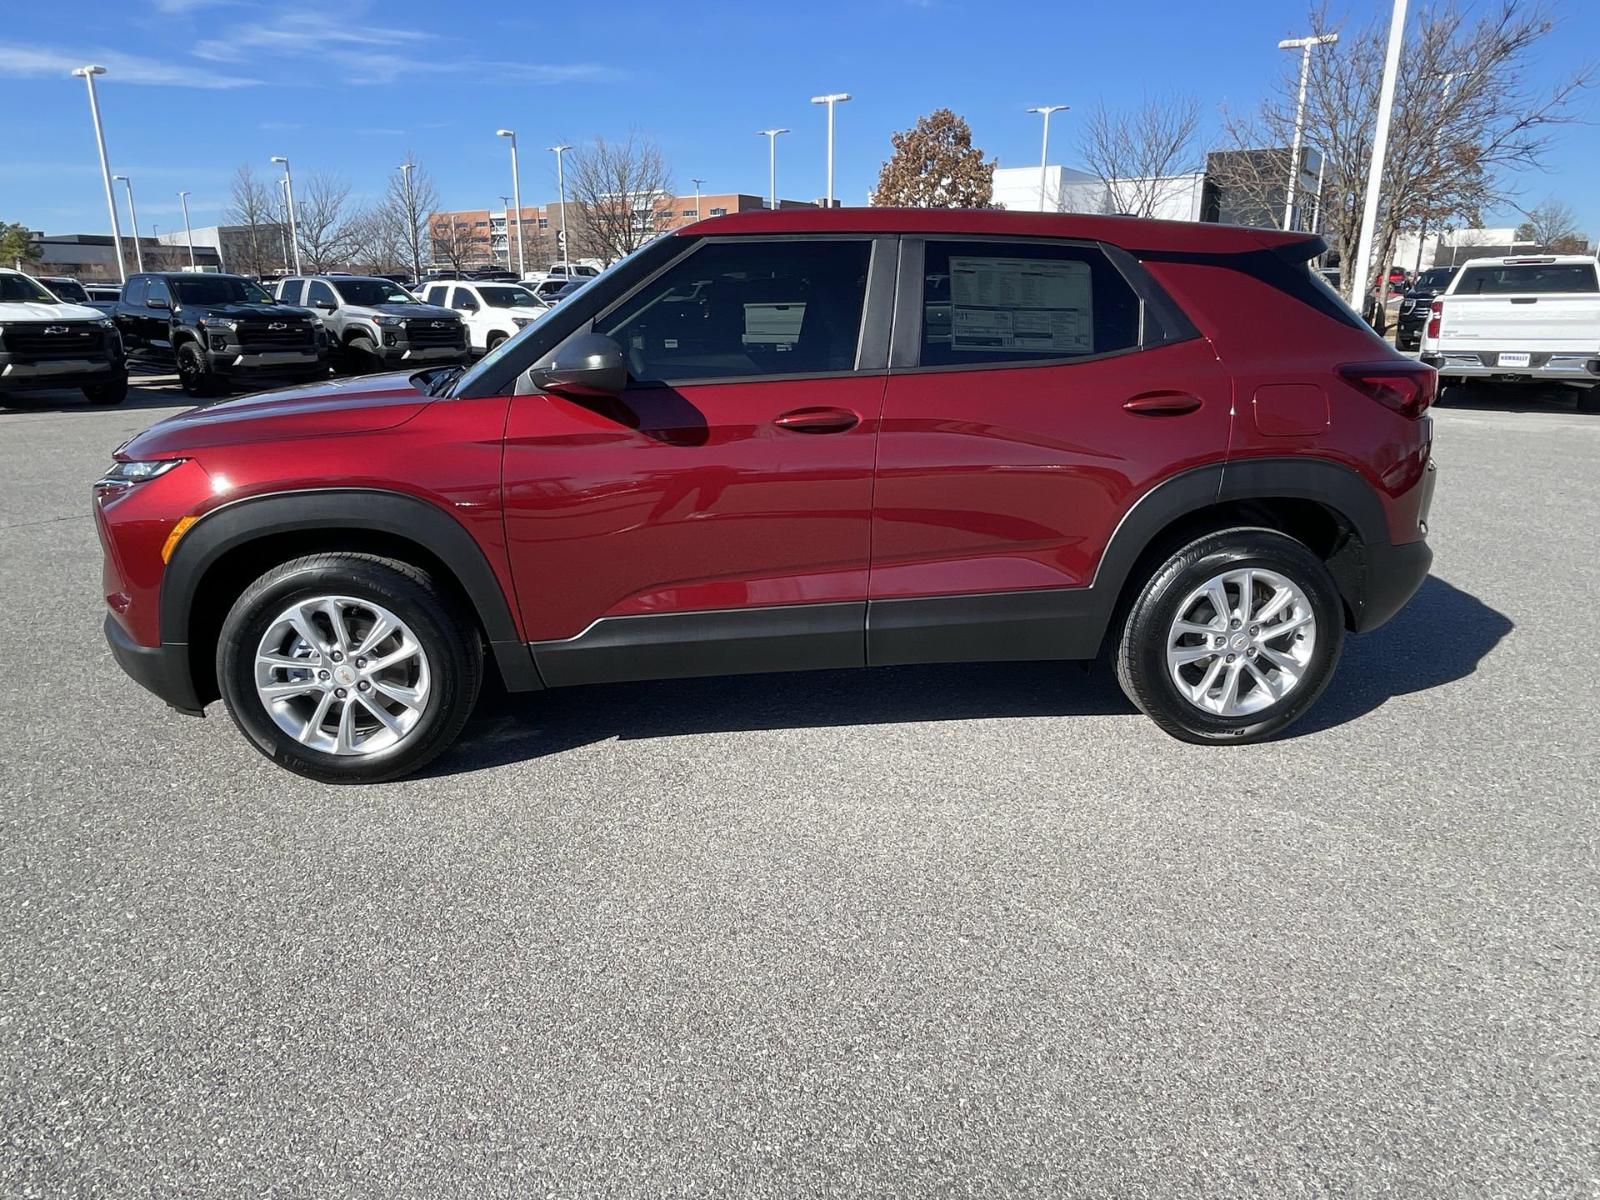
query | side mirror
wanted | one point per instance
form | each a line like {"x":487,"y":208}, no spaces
{"x":587,"y":367}
{"x":157,"y":302}
{"x":324,"y":305}
{"x":468,"y":306}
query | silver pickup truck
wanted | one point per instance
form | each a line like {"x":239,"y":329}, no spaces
{"x":375,"y":324}
{"x":1533,"y":319}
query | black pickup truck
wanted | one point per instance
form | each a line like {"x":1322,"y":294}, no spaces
{"x":218,"y":332}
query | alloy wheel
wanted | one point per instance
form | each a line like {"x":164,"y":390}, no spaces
{"x":342,"y":675}
{"x":1241,"y":642}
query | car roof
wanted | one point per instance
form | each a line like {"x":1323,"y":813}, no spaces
{"x":1531,"y":260}
{"x":1133,"y":233}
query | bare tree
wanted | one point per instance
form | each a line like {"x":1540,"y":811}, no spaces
{"x":325,"y":226}
{"x":1471,"y":112}
{"x":252,"y":206}
{"x":378,"y":244}
{"x":453,"y":241}
{"x":935,"y":165}
{"x":1136,"y":154}
{"x":622,"y":192}
{"x":1552,"y":225}
{"x":407,"y":205}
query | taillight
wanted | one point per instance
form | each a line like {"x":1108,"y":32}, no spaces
{"x":1435,"y":311}
{"x":1406,"y":388}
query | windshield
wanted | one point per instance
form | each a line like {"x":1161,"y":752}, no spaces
{"x":508,"y":297}
{"x":20,"y":289}
{"x":218,"y":289}
{"x":370,"y":292}
{"x":69,"y":290}
{"x":1436,"y":277}
{"x":1541,"y":278}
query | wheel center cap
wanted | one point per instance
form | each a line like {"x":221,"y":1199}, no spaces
{"x":1239,"y":642}
{"x":344,"y":675}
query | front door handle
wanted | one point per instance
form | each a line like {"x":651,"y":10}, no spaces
{"x":818,"y":420}
{"x":1162,"y":404}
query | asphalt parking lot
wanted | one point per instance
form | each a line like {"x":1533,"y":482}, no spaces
{"x":935,"y":931}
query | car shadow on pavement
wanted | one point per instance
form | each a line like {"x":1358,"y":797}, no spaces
{"x":1512,"y":398}
{"x":142,"y":393}
{"x":1439,"y":637}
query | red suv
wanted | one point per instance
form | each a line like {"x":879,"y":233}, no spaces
{"x":786,"y":440}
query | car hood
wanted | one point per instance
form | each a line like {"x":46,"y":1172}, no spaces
{"x":262,"y":312}
{"x":424,"y":311}
{"x":31,"y":311}
{"x":318,"y":410}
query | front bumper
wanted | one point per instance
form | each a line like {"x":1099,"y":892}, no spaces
{"x":403,"y":355}
{"x":163,"y":670}
{"x":1555,"y":368}
{"x":264,"y":362}
{"x":55,"y":373}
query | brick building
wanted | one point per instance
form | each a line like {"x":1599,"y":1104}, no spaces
{"x":485,"y":237}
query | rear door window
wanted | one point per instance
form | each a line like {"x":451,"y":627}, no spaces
{"x":292,"y":291}
{"x":133,"y":292}
{"x":990,"y":304}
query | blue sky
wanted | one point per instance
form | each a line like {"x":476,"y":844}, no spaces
{"x":198,"y":86}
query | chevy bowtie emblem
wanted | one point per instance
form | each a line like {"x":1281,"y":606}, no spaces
{"x":441,"y":324}
{"x":55,"y":329}
{"x":278,"y":325}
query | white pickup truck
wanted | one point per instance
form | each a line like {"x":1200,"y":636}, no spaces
{"x":1525,"y":319}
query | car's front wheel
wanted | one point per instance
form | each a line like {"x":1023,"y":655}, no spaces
{"x":348,"y":668}
{"x":194,"y":373}
{"x":1232,"y":638}
{"x":108,"y":391}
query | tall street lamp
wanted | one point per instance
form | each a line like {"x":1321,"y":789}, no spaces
{"x":772,"y":163}
{"x":697,"y":183}
{"x":1305,"y":45}
{"x":1044,"y":154}
{"x":830,"y":100}
{"x":133,"y":219}
{"x":516,"y":196}
{"x":405,"y":170}
{"x":505,"y":212}
{"x":188,"y":233}
{"x":288,"y":194}
{"x":1360,"y":276}
{"x":87,"y":74}
{"x":561,"y":190}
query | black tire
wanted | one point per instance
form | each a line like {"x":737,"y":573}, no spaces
{"x":493,"y":340}
{"x":195,"y":374}
{"x":361,"y":356}
{"x":1141,"y":652}
{"x":108,"y":391}
{"x":1589,"y":400}
{"x":448,"y":638}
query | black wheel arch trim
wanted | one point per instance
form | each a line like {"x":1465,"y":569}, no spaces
{"x":398,"y":514}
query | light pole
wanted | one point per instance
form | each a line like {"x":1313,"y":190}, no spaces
{"x":405,"y":170}
{"x":1380,"y":148}
{"x":288,"y":194}
{"x":830,"y":100}
{"x":505,"y":213}
{"x":516,"y":196}
{"x":772,"y":162}
{"x":188,"y":233}
{"x":133,"y":219}
{"x":1305,"y":45}
{"x":561,"y":189}
{"x":697,"y":183}
{"x":1044,"y":153}
{"x":87,"y":74}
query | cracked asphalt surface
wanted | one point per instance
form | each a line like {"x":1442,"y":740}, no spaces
{"x":955,"y":931}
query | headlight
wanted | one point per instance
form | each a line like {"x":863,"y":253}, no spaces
{"x":124,"y":475}
{"x":219,"y":323}
{"x":389,"y":322}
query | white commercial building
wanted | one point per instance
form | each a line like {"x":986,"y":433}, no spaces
{"x":1172,"y":198}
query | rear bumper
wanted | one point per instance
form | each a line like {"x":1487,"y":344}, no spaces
{"x":1558,"y":368}
{"x":1394,"y":573}
{"x":163,"y":670}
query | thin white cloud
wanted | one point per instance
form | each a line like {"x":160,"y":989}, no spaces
{"x":52,"y":61}
{"x":174,"y":8}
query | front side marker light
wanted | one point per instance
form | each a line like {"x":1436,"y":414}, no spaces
{"x":178,"y":530}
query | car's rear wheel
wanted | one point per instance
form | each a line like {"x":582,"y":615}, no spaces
{"x":1232,"y":638}
{"x":348,"y":668}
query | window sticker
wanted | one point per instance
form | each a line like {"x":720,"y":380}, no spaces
{"x":1003,"y":305}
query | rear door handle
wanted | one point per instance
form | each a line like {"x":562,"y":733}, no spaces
{"x":818,"y":420}
{"x":1162,"y":404}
